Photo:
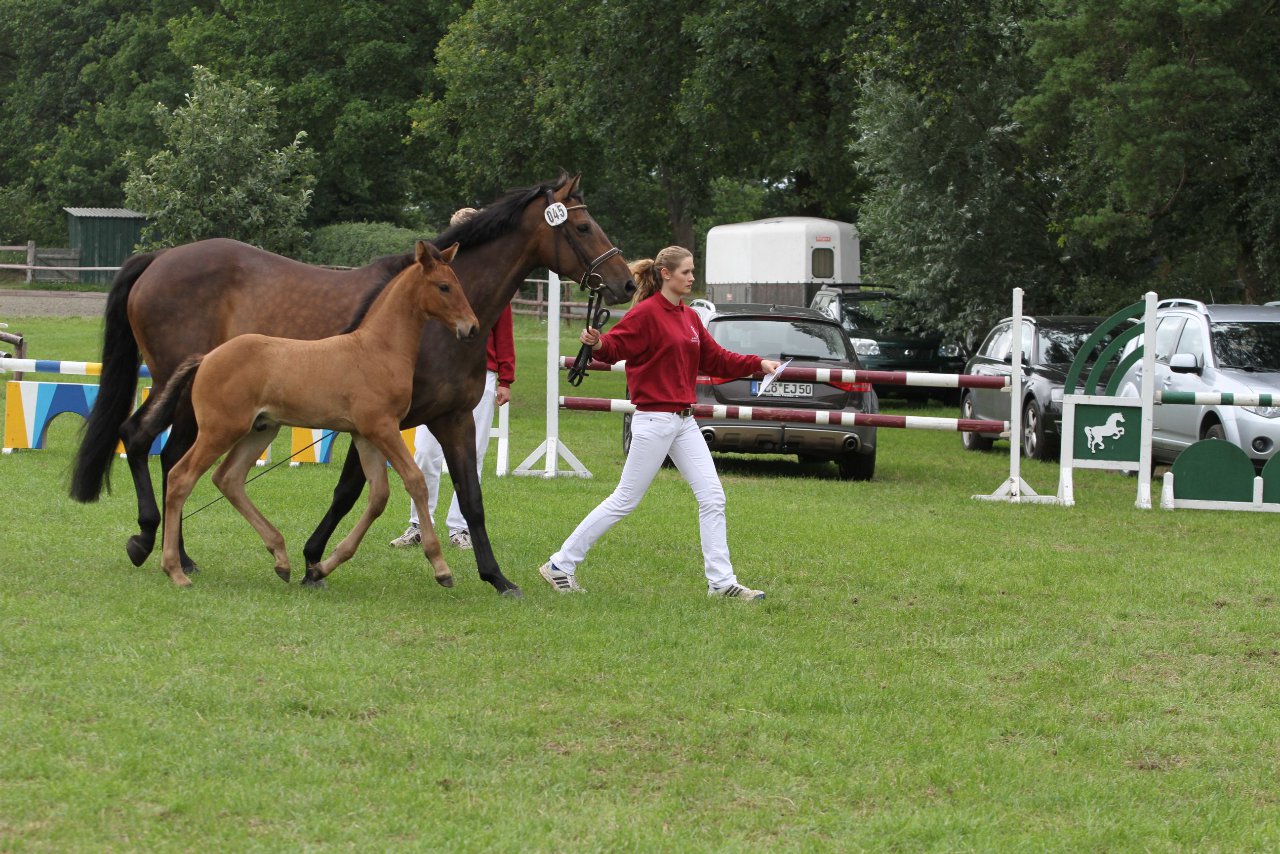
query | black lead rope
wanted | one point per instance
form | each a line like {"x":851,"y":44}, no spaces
{"x":260,"y":474}
{"x":597,"y":316}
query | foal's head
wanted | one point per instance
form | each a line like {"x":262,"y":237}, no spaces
{"x":438,"y":292}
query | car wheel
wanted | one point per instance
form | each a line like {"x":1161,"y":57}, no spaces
{"x":856,"y":466}
{"x":972,"y":441}
{"x":1214,"y":431}
{"x":1036,"y":443}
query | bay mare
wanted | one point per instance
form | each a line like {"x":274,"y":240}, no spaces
{"x":168,"y":305}
{"x":245,"y":389}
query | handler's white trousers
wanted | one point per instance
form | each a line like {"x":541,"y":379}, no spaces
{"x":429,"y":456}
{"x":654,"y":436}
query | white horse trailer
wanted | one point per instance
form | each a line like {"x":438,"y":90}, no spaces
{"x":782,"y":261}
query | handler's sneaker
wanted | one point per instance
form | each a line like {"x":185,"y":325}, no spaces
{"x":461,"y":539}
{"x":560,"y":580}
{"x":412,"y":536}
{"x":735,"y":591}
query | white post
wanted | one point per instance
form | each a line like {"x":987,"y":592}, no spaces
{"x":1148,"y":392}
{"x":1015,"y":405}
{"x":551,"y":446}
{"x":1015,"y":490}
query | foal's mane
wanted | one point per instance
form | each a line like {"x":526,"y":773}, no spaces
{"x":490,"y":223}
{"x":388,"y":267}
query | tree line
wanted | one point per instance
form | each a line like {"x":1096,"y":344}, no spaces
{"x":1084,"y":150}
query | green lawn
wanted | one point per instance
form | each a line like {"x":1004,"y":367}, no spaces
{"x":927,"y":672}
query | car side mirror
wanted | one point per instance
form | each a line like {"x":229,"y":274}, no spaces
{"x":1184,"y":363}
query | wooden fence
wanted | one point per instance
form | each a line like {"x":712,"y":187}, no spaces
{"x":49,"y":264}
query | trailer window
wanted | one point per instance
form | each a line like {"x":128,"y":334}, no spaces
{"x":824,"y":263}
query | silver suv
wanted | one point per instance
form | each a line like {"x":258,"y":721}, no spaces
{"x":1214,"y":348}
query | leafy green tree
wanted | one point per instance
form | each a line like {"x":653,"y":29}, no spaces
{"x":78,"y":81}
{"x":218,"y":175}
{"x":664,"y":106}
{"x":772,"y":100}
{"x":347,"y":73}
{"x":1149,"y":114}
{"x":956,"y":215}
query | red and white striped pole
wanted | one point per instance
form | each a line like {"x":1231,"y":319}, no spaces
{"x":718,"y":412}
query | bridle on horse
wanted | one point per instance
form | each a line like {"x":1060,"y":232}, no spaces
{"x":592,"y":282}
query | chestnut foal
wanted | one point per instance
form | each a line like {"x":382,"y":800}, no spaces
{"x":360,"y":382}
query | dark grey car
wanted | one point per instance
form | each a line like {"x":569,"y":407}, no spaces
{"x":1049,"y":344}
{"x":811,"y":340}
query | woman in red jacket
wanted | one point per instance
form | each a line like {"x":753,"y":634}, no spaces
{"x":665,"y":346}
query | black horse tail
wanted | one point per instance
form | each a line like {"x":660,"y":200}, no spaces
{"x":160,"y":415}
{"x":117,"y":386}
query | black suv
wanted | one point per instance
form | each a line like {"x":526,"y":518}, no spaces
{"x":866,"y":313}
{"x":811,"y":340}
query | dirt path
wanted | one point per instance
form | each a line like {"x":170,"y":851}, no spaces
{"x":15,"y":303}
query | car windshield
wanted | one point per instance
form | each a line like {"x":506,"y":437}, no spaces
{"x":771,"y":337}
{"x":1059,"y":345}
{"x":864,"y":315}
{"x":1250,"y":346}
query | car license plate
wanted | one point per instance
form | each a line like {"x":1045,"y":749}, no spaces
{"x":782,"y":389}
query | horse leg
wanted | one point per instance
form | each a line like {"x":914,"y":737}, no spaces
{"x":350,"y":485}
{"x":230,"y":480}
{"x":457,"y":439}
{"x":137,"y":446}
{"x":183,"y":433}
{"x":181,"y":480}
{"x":374,"y":465}
{"x":388,"y":441}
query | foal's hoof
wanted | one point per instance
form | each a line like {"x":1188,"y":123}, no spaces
{"x":513,"y":593}
{"x":444,"y":580}
{"x":284,"y":573}
{"x":138,"y":550}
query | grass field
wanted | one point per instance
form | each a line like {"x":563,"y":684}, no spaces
{"x":928,"y":672}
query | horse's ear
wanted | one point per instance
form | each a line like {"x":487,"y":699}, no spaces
{"x":422,"y":255}
{"x":448,"y":254}
{"x":569,"y":188}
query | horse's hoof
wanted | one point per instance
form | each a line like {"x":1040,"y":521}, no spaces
{"x":138,"y":550}
{"x":444,"y":580}
{"x":313,"y":583}
{"x":513,"y":593}
{"x":284,"y":573}
{"x":190,"y":569}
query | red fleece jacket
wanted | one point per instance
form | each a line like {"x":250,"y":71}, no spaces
{"x":501,"y":348}
{"x":666,"y":347}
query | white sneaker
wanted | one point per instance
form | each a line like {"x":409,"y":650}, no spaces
{"x":735,"y":591}
{"x":412,"y":536}
{"x":461,"y":539}
{"x":560,"y":580}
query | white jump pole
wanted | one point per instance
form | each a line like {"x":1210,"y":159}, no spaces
{"x":1015,"y":490}
{"x":552,"y":449}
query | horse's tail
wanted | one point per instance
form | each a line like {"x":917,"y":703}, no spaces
{"x":117,"y":386}
{"x":160,"y":415}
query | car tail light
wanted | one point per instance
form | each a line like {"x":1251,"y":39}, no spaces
{"x":864,"y":387}
{"x":703,"y":379}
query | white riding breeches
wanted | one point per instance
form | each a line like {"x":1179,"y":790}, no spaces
{"x":429,"y":456}
{"x":654,"y":436}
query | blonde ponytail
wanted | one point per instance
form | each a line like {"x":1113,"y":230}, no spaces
{"x":647,"y":273}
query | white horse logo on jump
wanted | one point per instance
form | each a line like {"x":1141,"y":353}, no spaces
{"x":1110,"y":430}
